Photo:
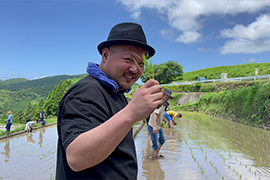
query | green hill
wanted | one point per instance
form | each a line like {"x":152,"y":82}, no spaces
{"x":243,"y":70}
{"x":17,"y":84}
{"x":18,"y":92}
{"x":12,"y":81}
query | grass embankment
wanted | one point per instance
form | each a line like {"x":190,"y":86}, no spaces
{"x":243,"y":70}
{"x":20,"y":127}
{"x":248,"y":105}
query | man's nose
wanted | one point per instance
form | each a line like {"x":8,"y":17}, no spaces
{"x":134,"y":68}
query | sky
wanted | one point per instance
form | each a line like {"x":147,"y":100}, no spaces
{"x":41,"y":38}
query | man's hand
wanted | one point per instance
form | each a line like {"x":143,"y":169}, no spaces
{"x":145,"y":100}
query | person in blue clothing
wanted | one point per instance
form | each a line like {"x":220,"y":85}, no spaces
{"x":9,"y":122}
{"x":42,"y":117}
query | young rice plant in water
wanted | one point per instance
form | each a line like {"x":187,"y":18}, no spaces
{"x":148,"y":67}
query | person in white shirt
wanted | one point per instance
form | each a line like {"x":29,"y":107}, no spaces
{"x":154,"y":126}
{"x":29,"y":126}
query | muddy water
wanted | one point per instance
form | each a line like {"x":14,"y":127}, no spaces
{"x":29,"y":155}
{"x":204,"y":147}
{"x":199,"y":147}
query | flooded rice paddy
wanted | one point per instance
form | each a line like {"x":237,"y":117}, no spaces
{"x":199,"y":147}
{"x":29,"y":155}
{"x":204,"y":147}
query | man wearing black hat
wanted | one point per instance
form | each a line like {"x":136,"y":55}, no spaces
{"x":95,"y":121}
{"x":154,"y":125}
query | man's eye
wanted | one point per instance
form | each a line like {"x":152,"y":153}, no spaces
{"x":127,"y":59}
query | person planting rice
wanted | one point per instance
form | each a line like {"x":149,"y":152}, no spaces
{"x":29,"y":126}
{"x":170,"y":116}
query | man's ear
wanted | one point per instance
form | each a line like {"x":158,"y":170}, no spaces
{"x":105,"y":54}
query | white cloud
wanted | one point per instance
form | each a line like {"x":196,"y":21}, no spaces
{"x":254,"y":38}
{"x":185,"y":16}
{"x":42,"y":77}
{"x":166,"y":33}
{"x":245,"y":46}
{"x":188,"y":37}
{"x":256,"y":30}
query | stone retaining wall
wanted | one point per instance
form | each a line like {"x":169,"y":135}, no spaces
{"x":189,"y":97}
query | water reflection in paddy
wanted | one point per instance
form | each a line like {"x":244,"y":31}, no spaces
{"x":204,"y":147}
{"x":29,"y":155}
{"x":199,"y":147}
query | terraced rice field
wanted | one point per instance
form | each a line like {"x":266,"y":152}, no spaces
{"x":199,"y":147}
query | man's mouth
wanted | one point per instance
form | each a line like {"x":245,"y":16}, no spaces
{"x":129,"y":76}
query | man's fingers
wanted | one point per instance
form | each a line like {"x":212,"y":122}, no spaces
{"x":151,"y":83}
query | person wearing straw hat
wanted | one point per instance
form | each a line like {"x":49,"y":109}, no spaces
{"x":95,"y":139}
{"x":154,"y":126}
{"x":9,"y":122}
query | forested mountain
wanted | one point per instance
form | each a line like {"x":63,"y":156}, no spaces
{"x":18,"y":92}
{"x":12,"y":81}
{"x":17,"y":84}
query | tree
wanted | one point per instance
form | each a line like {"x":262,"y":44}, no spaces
{"x":55,"y":96}
{"x":18,"y":116}
{"x":27,"y":113}
{"x":166,"y":72}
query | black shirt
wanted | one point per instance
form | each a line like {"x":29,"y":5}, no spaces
{"x":87,"y":104}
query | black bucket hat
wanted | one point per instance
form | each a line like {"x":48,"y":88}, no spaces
{"x":168,"y":92}
{"x":127,"y":33}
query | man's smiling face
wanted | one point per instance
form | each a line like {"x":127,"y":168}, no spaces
{"x":118,"y":63}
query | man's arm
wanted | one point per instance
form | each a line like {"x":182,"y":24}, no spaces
{"x":92,"y":147}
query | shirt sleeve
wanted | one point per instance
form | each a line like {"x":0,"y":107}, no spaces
{"x":81,"y":111}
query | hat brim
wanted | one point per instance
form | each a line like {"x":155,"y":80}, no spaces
{"x":151,"y":51}
{"x":168,"y":95}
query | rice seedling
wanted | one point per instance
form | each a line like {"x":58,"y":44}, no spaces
{"x":202,"y":171}
{"x":148,"y":67}
{"x":216,"y":169}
